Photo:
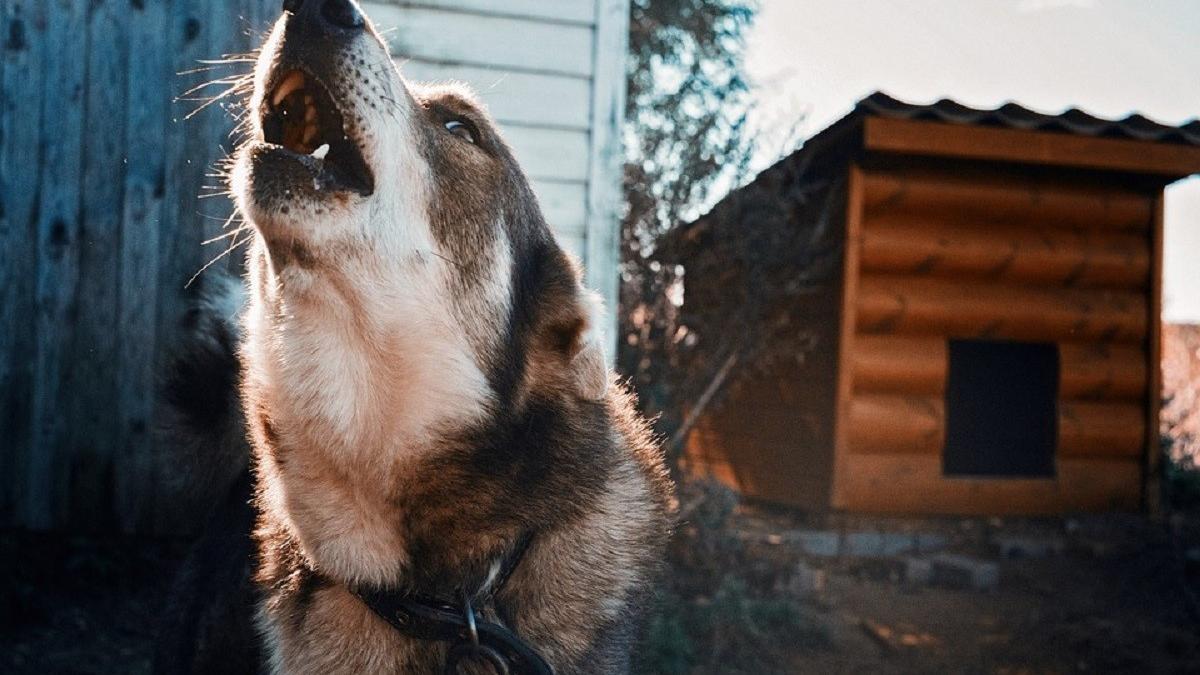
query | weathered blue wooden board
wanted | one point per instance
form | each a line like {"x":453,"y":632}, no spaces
{"x":147,"y":112}
{"x":100,"y":227}
{"x":20,"y":157}
{"x":58,"y":230}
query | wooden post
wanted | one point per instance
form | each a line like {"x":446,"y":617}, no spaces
{"x":608,"y":160}
{"x":1152,"y":490}
{"x":849,"y":322}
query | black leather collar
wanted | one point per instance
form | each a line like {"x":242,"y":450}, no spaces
{"x":472,"y":640}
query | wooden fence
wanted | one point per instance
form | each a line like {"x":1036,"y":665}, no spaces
{"x":101,"y":225}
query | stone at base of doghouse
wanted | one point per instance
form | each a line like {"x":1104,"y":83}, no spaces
{"x":830,"y":544}
{"x":918,"y":571}
{"x":807,"y":581}
{"x":962,"y":571}
{"x":1018,"y":548}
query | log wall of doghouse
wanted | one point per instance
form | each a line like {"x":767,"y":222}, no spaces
{"x":937,"y":252}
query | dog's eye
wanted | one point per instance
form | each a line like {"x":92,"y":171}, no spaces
{"x":461,"y":129}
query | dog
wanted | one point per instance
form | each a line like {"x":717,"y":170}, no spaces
{"x":433,"y":426}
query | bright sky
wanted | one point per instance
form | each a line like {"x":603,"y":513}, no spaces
{"x":816,"y":58}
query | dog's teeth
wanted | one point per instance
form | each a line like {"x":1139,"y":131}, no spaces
{"x":291,"y":83}
{"x":320,"y":152}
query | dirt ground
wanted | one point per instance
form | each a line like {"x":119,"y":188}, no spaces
{"x":1120,"y":597}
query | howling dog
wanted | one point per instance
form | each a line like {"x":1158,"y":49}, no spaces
{"x":445,"y":473}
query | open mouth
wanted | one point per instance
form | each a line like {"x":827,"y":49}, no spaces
{"x":302,"y":118}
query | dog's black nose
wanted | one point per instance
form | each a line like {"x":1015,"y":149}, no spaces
{"x":343,"y":14}
{"x":327,"y":16}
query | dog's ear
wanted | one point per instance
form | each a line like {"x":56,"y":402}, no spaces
{"x":587,"y":365}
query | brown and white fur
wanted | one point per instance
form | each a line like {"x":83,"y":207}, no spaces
{"x":422,"y":377}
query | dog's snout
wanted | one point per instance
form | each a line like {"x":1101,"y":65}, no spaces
{"x":329,"y":17}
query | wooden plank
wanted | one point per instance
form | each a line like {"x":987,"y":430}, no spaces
{"x":498,"y":42}
{"x":564,"y":205}
{"x":1100,"y":372}
{"x":9,"y":274}
{"x":913,"y":484}
{"x":22,"y":25}
{"x":550,"y":154}
{"x":781,"y":452}
{"x":60,"y":237}
{"x":927,"y":246}
{"x":901,"y":364}
{"x":515,"y":97}
{"x":852,"y":247}
{"x":185,"y":216}
{"x":572,"y":11}
{"x":91,"y":377}
{"x":898,"y":424}
{"x":988,"y":198}
{"x":893,"y":424}
{"x":907,"y":305}
{"x":1101,"y":430}
{"x":573,"y":244}
{"x":712,"y":470}
{"x":894,"y":364}
{"x":604,"y":196}
{"x":939,"y":139}
{"x":147,"y":106}
{"x":1152,"y":461}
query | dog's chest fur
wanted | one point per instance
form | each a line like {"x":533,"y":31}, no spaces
{"x":382,"y":464}
{"x":599,"y":522}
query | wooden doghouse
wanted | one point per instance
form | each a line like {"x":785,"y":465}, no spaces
{"x":988,"y":338}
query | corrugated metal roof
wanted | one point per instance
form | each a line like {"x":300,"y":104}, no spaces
{"x":806,"y":164}
{"x":1015,"y":116}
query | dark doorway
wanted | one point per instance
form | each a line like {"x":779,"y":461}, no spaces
{"x":1001,"y":409}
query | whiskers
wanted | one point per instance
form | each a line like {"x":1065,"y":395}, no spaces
{"x":235,"y":237}
{"x":232,"y":88}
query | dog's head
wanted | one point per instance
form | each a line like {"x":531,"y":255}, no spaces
{"x":394,"y":212}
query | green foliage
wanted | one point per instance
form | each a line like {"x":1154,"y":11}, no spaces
{"x":1183,"y":486}
{"x":721,"y":609}
{"x":716,"y":614}
{"x":686,"y":110}
{"x":685,"y":136}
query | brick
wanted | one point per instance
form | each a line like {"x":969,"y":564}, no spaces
{"x":819,"y":543}
{"x":863,"y":545}
{"x":961,"y":571}
{"x":930,"y":542}
{"x":1012,"y":547}
{"x":877,"y":544}
{"x":807,"y":581}
{"x":918,"y":571}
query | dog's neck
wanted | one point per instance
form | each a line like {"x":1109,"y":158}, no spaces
{"x":354,"y":390}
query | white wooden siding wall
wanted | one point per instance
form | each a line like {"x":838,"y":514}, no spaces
{"x":552,"y":73}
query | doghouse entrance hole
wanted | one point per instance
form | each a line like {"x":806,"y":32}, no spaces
{"x":1001,"y":409}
